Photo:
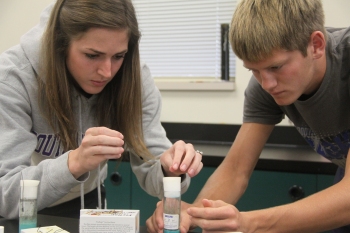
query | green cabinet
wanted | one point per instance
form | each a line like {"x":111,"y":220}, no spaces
{"x":118,"y":192}
{"x":126,"y":193}
{"x":129,"y":195}
{"x":324,"y":181}
{"x":265,"y":189}
{"x":142,"y":201}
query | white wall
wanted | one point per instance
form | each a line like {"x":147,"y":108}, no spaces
{"x":18,"y":16}
{"x":227,"y":107}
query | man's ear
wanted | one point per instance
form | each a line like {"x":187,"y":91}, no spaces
{"x":318,"y":44}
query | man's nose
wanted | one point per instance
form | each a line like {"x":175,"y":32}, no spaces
{"x":268,"y":81}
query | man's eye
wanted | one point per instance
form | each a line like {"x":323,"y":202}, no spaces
{"x":275,"y":67}
{"x":253,"y":71}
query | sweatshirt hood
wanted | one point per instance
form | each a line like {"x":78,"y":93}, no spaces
{"x":31,"y":45}
{"x":31,"y":41}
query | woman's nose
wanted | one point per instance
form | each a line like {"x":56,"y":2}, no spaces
{"x":105,"y":69}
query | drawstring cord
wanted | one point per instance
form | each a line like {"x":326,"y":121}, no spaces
{"x":99,"y":186}
{"x":82,"y":196}
{"x":82,"y":203}
{"x":82,"y":193}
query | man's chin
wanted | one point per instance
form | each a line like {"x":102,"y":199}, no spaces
{"x":283,"y":102}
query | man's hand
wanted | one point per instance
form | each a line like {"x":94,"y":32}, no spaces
{"x":216,"y":216}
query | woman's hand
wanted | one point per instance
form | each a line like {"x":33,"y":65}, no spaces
{"x":155,"y":223}
{"x":98,"y":145}
{"x":180,"y":159}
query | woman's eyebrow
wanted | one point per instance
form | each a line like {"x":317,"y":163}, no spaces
{"x":99,"y":52}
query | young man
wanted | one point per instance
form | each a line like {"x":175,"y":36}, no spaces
{"x":302,"y":71}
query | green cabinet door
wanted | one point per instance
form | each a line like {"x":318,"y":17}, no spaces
{"x":142,"y":201}
{"x":269,"y":188}
{"x":197,"y":184}
{"x":265,"y":189}
{"x":118,"y":189}
{"x":324,"y":181}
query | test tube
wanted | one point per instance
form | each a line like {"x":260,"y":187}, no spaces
{"x":28,"y":204}
{"x":172,"y":204}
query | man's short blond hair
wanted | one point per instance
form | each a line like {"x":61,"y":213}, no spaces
{"x":259,"y":27}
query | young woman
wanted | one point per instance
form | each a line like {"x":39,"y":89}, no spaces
{"x":73,"y":94}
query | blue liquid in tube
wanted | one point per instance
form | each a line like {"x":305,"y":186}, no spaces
{"x":27,"y":214}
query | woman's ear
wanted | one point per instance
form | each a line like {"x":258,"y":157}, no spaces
{"x":317,"y":44}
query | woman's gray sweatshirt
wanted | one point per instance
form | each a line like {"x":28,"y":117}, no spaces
{"x":29,"y":147}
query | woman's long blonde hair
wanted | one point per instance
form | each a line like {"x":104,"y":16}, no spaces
{"x":119,"y":105}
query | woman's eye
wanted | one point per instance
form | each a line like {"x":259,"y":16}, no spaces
{"x":119,"y":56}
{"x":91,"y":56}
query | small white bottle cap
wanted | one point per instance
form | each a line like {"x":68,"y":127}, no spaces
{"x":29,"y":189}
{"x":172,"y":184}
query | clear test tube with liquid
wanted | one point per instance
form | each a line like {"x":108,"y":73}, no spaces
{"x":172,"y":204}
{"x":28,"y":204}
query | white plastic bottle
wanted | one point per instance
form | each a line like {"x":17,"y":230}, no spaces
{"x":172,"y":204}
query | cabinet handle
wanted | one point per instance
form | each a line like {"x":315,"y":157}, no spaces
{"x":116,"y":178}
{"x":296,"y":192}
